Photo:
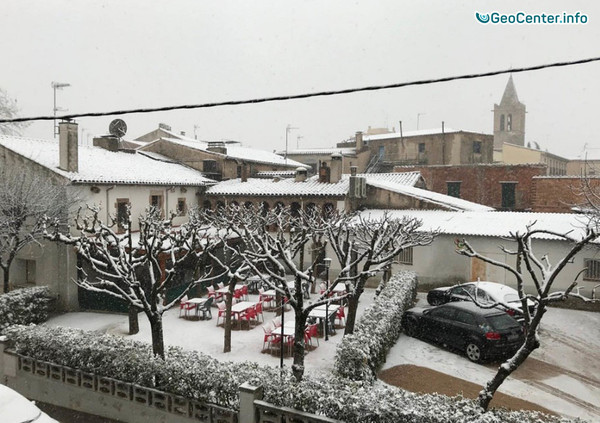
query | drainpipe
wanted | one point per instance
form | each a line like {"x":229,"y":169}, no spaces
{"x":107,"y":208}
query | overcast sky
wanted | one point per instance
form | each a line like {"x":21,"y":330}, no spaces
{"x":131,"y":54}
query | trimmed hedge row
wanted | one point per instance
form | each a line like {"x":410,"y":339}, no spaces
{"x":360,"y":355}
{"x":24,"y":306}
{"x":200,"y":377}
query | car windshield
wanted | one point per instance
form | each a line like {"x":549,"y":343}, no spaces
{"x":511,"y":297}
{"x":501,"y":321}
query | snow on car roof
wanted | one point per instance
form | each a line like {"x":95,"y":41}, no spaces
{"x":98,"y":165}
{"x":491,"y":223}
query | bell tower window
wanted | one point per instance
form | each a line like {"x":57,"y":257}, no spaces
{"x":502,"y":122}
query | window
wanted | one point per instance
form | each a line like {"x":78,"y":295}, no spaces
{"x":239,"y":172}
{"x":181,"y":207}
{"x":156,"y":201}
{"x":421,"y":147}
{"x":406,"y":256}
{"x":509,"y":122}
{"x":477,"y":147}
{"x":453,"y":189}
{"x":502,"y":122}
{"x":508,"y":195}
{"x":381,"y":151}
{"x":443,"y":312}
{"x":122,"y":211}
{"x":592,"y":272}
{"x":466,"y":318}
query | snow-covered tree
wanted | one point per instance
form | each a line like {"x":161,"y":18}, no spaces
{"x":24,"y":202}
{"x":366,"y":246}
{"x":139,"y":267}
{"x":9,"y":110}
{"x":544,"y":274}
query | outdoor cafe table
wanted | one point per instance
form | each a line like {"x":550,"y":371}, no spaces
{"x":289,"y":331}
{"x":240,"y":308}
{"x":319,"y":312}
{"x":225,"y":289}
{"x":256,"y":281}
{"x":197,"y":302}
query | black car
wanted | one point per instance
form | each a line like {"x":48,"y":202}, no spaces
{"x":479,"y":333}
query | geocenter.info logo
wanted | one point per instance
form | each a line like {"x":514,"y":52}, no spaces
{"x":522,"y":18}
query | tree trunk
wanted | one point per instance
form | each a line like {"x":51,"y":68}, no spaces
{"x":227,"y":322}
{"x":158,"y":343}
{"x":134,"y":324}
{"x":6,"y":284}
{"x":299,"y":346}
{"x":351,"y":316}
{"x":506,"y":368}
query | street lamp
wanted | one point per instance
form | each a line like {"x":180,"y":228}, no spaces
{"x":287,"y":132}
{"x":57,"y":86}
{"x":327,"y":264}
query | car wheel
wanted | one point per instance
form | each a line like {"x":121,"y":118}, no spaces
{"x":410,"y":328}
{"x":474,"y":352}
{"x":436,"y":301}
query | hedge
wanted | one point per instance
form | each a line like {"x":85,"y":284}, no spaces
{"x":198,"y":376}
{"x":359,"y":356}
{"x":24,"y":306}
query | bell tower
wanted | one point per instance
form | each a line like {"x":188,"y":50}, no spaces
{"x":509,"y":118}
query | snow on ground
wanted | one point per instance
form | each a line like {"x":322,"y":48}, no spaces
{"x":206,"y":337}
{"x":564,"y":377}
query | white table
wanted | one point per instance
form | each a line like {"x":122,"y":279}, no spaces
{"x":320,"y":313}
{"x":196,"y":301}
{"x":240,"y":308}
{"x":225,"y":289}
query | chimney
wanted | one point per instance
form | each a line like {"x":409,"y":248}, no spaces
{"x":359,"y":141}
{"x":68,"y":149}
{"x":336,"y":168}
{"x":217,"y":147}
{"x":244,"y":172}
{"x":353,"y":170}
{"x":301,"y":174}
{"x":108,"y":142}
{"x":182,"y":133}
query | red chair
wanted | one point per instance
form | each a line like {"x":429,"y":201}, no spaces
{"x":264,"y":298}
{"x":213,"y":293}
{"x":245,"y":292}
{"x":313,"y":331}
{"x":258,"y":308}
{"x":268,"y":337}
{"x":237,"y":294}
{"x":340,"y":315}
{"x":248,"y":315}
{"x":222,"y":311}
{"x":185,"y":306}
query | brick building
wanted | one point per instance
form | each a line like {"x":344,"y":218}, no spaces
{"x":501,"y":186}
{"x":561,"y":194}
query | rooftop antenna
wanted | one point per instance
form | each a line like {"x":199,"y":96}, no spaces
{"x":288,"y":128}
{"x":117,"y":128}
{"x":298,"y":141}
{"x":57,"y":86}
{"x":419,"y":115}
{"x":196,"y":127}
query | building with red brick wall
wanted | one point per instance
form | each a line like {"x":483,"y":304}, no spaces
{"x":561,"y":194}
{"x":504,"y":187}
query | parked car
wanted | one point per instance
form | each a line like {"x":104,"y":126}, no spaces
{"x":484,"y":293}
{"x":479,"y":332}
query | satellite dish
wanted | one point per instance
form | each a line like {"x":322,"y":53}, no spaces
{"x":118,"y":128}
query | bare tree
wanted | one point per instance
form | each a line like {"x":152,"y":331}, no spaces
{"x":365,"y":247}
{"x":24,"y":202}
{"x":9,"y":110}
{"x":543,"y":274}
{"x":139,"y":267}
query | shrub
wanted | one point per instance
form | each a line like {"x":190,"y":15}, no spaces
{"x":360,"y":355}
{"x":25,"y":306}
{"x":197,"y":376}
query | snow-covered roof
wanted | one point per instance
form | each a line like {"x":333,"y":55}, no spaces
{"x":310,"y":187}
{"x":346,"y":151}
{"x":98,"y":165}
{"x":496,"y":224}
{"x":447,"y":201}
{"x":238,"y":152}
{"x":417,"y":133}
{"x":275,"y":173}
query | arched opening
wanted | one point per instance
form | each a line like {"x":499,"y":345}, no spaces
{"x":248,"y":204}
{"x":328,"y":210}
{"x":311,"y":209}
{"x":295,"y":209}
{"x":206,"y":205}
{"x":509,"y":122}
{"x":264,"y":208}
{"x":502,"y":122}
{"x":279,"y":206}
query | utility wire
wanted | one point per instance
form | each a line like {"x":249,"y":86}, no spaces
{"x":306,"y":95}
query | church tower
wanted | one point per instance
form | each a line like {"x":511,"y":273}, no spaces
{"x":509,"y":118}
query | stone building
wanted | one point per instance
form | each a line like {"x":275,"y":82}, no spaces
{"x":515,"y":154}
{"x":564,"y":194}
{"x":218,"y":160}
{"x":111,"y":180}
{"x":509,"y":118}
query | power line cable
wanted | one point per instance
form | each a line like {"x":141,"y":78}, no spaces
{"x":306,"y":95}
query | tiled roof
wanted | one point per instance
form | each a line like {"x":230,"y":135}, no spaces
{"x":239,"y":152}
{"x":496,"y":224}
{"x":310,"y":187}
{"x":406,"y":134}
{"x":446,"y":201}
{"x":97,"y":165}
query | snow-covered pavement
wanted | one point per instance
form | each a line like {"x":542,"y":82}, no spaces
{"x":563,"y":375}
